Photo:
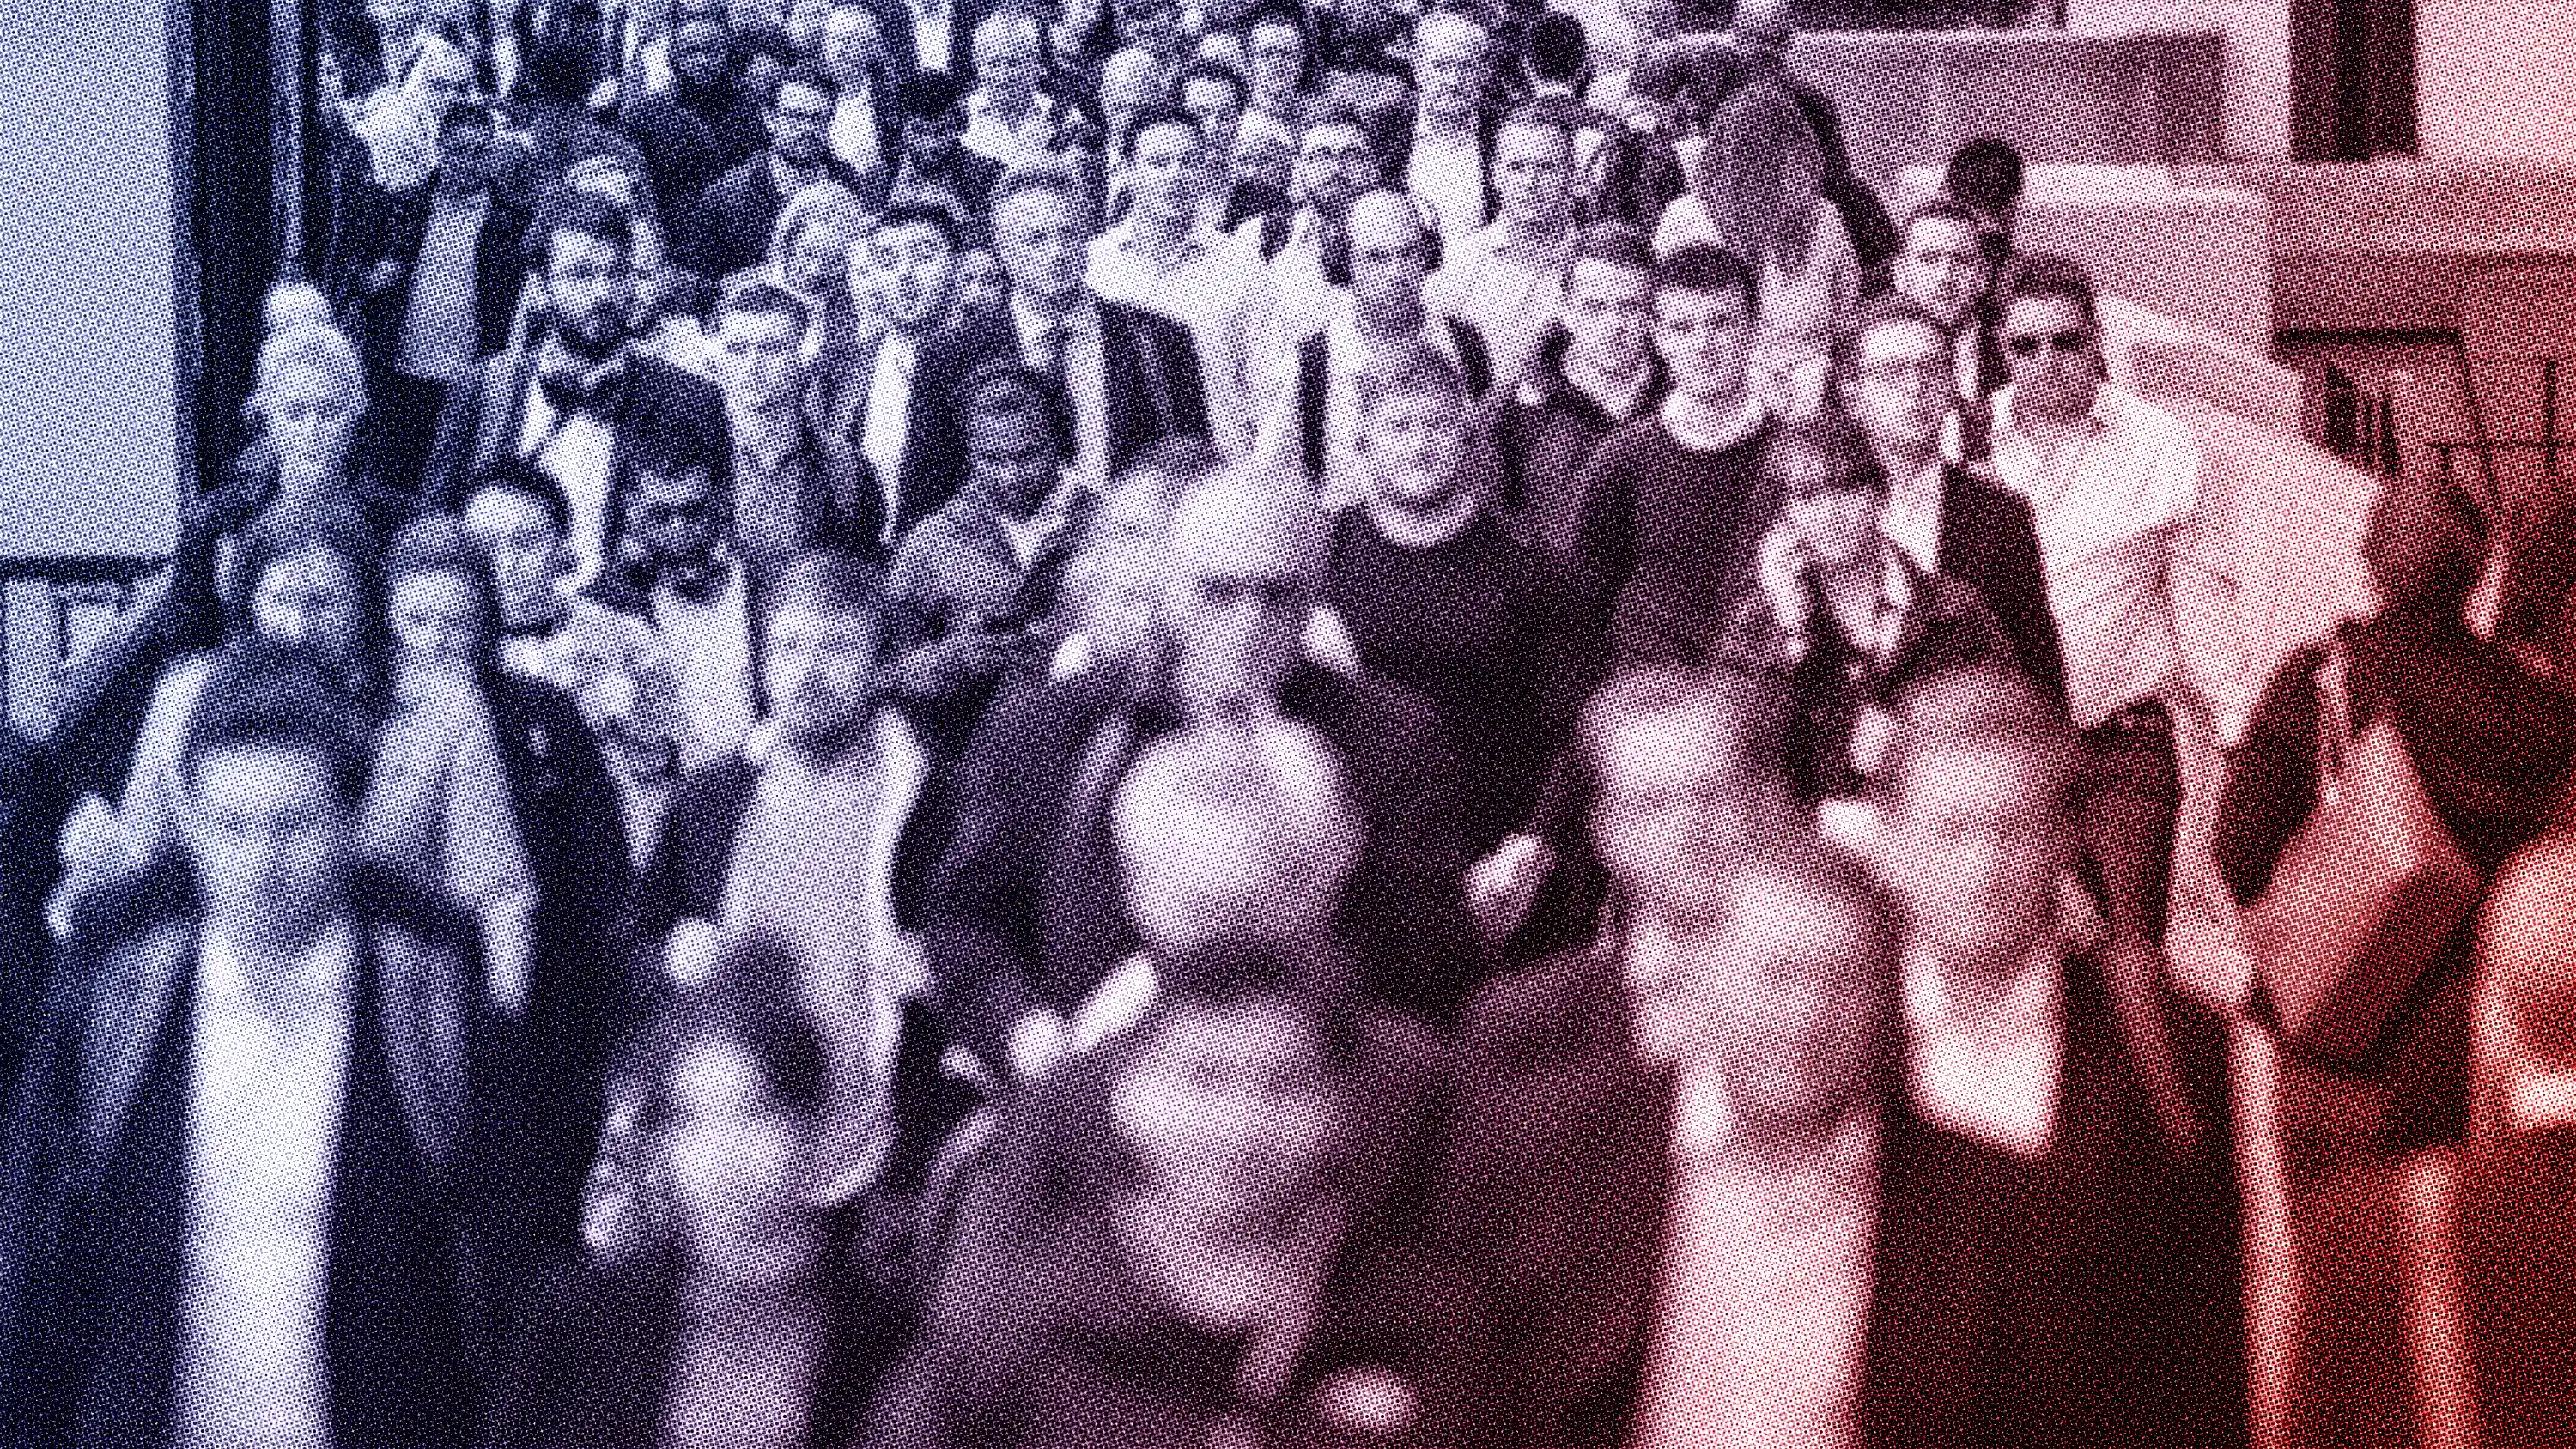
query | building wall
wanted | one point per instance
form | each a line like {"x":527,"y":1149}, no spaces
{"x":2491,"y":80}
{"x":2257,"y":83}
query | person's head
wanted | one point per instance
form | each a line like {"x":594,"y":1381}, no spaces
{"x":562,"y":53}
{"x":1131,"y":81}
{"x":393,"y":19}
{"x":1683,"y":773}
{"x":934,"y":118}
{"x":308,"y":574}
{"x":439,"y":597}
{"x":1214,"y":93}
{"x":2051,"y":337}
{"x":702,"y":51}
{"x":1413,"y":426}
{"x":675,"y":512}
{"x":1017,"y":443}
{"x":275,"y":765}
{"x":759,"y":333}
{"x":1009,"y":55}
{"x":2426,"y":543}
{"x":1558,"y":49}
{"x":981,"y":282}
{"x":914,"y":248}
{"x":1042,"y":230}
{"x":1152,"y":26}
{"x":520,"y":517}
{"x":1985,"y":175}
{"x":1608,"y":311}
{"x":1450,"y":57}
{"x":1895,"y":376}
{"x":1763,"y":28}
{"x":586,"y":270}
{"x":1942,"y":266}
{"x":736,"y":1084}
{"x":809,"y":244}
{"x":442,"y":73}
{"x":805,"y":21}
{"x":799,"y":115}
{"x":1264,"y":154}
{"x":310,"y":393}
{"x":465,"y":146}
{"x":1139,"y":504}
{"x":825,"y":623}
{"x":1248,"y":554}
{"x":1166,"y":165}
{"x":1275,"y":54}
{"x":1111,"y":589}
{"x":1391,"y":242}
{"x":1762,"y":173}
{"x":1704,"y":316}
{"x":1337,"y":160}
{"x":1534,"y":170}
{"x":1977,"y":802}
{"x":1651,"y":20}
{"x":853,"y":43}
{"x":761,"y":54}
{"x":290,"y":305}
{"x":1829,"y":484}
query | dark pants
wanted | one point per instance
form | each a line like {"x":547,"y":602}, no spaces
{"x":2132,"y":798}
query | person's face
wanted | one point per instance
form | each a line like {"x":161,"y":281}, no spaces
{"x":980,"y":279}
{"x":1265,"y":160}
{"x":819,"y":667}
{"x":1235,"y":604}
{"x":1164,"y":172}
{"x":819,"y":262}
{"x":311,"y":423}
{"x":1974,"y":853}
{"x":930,"y":140}
{"x":852,"y":43}
{"x":700,"y":51}
{"x":1231,"y":1112}
{"x":311,"y":598}
{"x":445,"y":77}
{"x":1705,"y":339}
{"x":526,"y":552}
{"x":740,"y":1163}
{"x":2053,"y":353}
{"x":268,"y":834}
{"x":1390,"y":256}
{"x":465,"y":154}
{"x":590,"y":284}
{"x":678,"y":519}
{"x":1152,"y":26}
{"x":1118,"y":617}
{"x":1009,"y":62}
{"x":1608,"y":312}
{"x":394,"y":17}
{"x":759,"y":354}
{"x":1334,"y":165}
{"x":1043,"y":243}
{"x":1534,"y":175}
{"x":917,"y":271}
{"x":1449,"y":69}
{"x":1412,"y":442}
{"x":1278,"y":59}
{"x":1831,"y":508}
{"x":1011,"y":459}
{"x":437,"y":621}
{"x":1672,"y":811}
{"x":1900,"y":389}
{"x":1128,"y":83}
{"x":1943,"y":268}
{"x":759,"y":73}
{"x":800,"y":124}
{"x":1218,"y":108}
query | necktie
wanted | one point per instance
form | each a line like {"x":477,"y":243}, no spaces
{"x":1053,"y":343}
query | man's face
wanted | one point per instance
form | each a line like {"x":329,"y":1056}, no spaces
{"x":800,"y":124}
{"x":759,"y":354}
{"x":1608,"y":312}
{"x":312,"y":598}
{"x":527,"y":552}
{"x":930,"y":140}
{"x":2054,"y":355}
{"x":1975,"y":852}
{"x":1534,"y":175}
{"x":1011,"y":460}
{"x":1334,"y":165}
{"x":1230,"y":1111}
{"x":1672,"y":812}
{"x":700,"y":51}
{"x":1164,"y":172}
{"x":445,"y":76}
{"x":1449,"y":69}
{"x":1900,"y":389}
{"x":1219,"y":110}
{"x":1943,"y":269}
{"x":741,"y":1164}
{"x":590,"y":284}
{"x":1278,"y":59}
{"x":819,"y":667}
{"x":1044,"y":245}
{"x":819,"y":262}
{"x":1235,"y":604}
{"x":311,"y":423}
{"x":437,"y":620}
{"x":1008,"y":63}
{"x":1833,"y":511}
{"x":268,"y":833}
{"x":678,"y":518}
{"x":1152,"y":26}
{"x":1705,"y":339}
{"x":1412,"y":442}
{"x":852,"y":43}
{"x":917,"y":270}
{"x":1390,"y":256}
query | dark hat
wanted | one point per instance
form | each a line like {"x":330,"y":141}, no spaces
{"x":930,"y":94}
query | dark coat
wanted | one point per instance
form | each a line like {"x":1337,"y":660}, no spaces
{"x":2087,"y":1298}
{"x":1654,"y":508}
{"x":729,"y":228}
{"x":33,"y":804}
{"x":382,"y":225}
{"x":679,"y":149}
{"x":1152,"y":391}
{"x":481,"y":421}
{"x":733,"y":122}
{"x":1024,"y":910}
{"x":1534,"y":437}
{"x":1989,"y":543}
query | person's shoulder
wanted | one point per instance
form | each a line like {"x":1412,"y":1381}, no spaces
{"x":1632,"y":444}
{"x":1548,"y":1010}
{"x":431,"y":932}
{"x":1162,"y":329}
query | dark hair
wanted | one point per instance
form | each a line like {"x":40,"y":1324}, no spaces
{"x":1618,"y":243}
{"x":1748,"y":710}
{"x":665,"y":452}
{"x":1005,"y":387}
{"x":517,"y":475}
{"x":1708,"y":267}
{"x":327,"y":522}
{"x":929,"y":94}
{"x":1986,"y":174}
{"x":1164,"y":113}
{"x":1830,"y":433}
{"x":803,"y":73}
{"x":2046,"y":275}
{"x":462,"y":114}
{"x":2426,"y":542}
{"x":834,"y":580}
{"x":921,"y":213}
{"x":582,"y":213}
{"x":1537,"y":117}
{"x":1208,"y":67}
{"x":752,"y":41}
{"x":751,"y":1005}
{"x":1338,"y":113}
{"x":1557,"y":46}
{"x":1888,"y":309}
{"x":757,"y":296}
{"x":265,"y":695}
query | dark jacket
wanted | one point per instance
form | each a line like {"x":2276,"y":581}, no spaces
{"x":2087,"y":1298}
{"x":33,"y":804}
{"x":733,"y":122}
{"x":1534,"y":438}
{"x":1152,"y":392}
{"x":1655,"y":510}
{"x":1024,"y":910}
{"x":679,"y":150}
{"x":384,"y":225}
{"x":1989,"y":543}
{"x":482,"y":419}
{"x":824,"y":494}
{"x":729,"y":229}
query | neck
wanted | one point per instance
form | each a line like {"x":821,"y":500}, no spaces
{"x":1904,"y":461}
{"x":826,"y":751}
{"x":1044,"y":306}
{"x":1536,"y":239}
{"x":774,"y":421}
{"x":1163,"y":234}
{"x":2057,"y":416}
{"x":269,"y":938}
{"x":1447,"y":124}
{"x":1427,"y":524}
{"x":545,"y":611}
{"x":1614,"y":386}
{"x":796,"y":177}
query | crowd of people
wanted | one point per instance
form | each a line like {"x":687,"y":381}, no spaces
{"x":994,"y":722}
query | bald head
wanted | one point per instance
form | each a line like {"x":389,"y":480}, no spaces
{"x":1247,"y":555}
{"x":1238,"y":833}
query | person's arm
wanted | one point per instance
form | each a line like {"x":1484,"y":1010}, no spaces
{"x":2201,"y":580}
{"x":1409,"y":895}
{"x":451,"y":449}
{"x":984,"y":894}
{"x":483,"y":860}
{"x":1605,"y":537}
{"x":2271,"y":779}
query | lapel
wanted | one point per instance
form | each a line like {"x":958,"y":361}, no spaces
{"x":1932,"y":1374}
{"x":504,"y":403}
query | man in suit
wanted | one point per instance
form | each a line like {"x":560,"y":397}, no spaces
{"x":1942,"y":267}
{"x":1130,"y":377}
{"x":569,"y":401}
{"x":1895,"y":379}
{"x":864,"y":393}
{"x":731,"y":227}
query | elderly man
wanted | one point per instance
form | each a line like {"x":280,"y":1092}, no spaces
{"x":1450,"y":160}
{"x":1024,"y":920}
{"x":1509,"y":277}
{"x":1010,"y":118}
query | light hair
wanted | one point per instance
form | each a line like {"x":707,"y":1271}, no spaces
{"x":1274,"y":784}
{"x":310,"y":345}
{"x":1404,"y":370}
{"x":995,"y":26}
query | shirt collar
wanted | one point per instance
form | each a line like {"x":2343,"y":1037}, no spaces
{"x":325,"y":972}
{"x":1031,"y":324}
{"x":2097,"y":418}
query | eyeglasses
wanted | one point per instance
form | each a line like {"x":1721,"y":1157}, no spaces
{"x":2065,"y":344}
{"x":1903,"y":370}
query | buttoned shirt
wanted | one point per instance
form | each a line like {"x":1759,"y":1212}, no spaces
{"x":2135,"y":574}
{"x":1448,"y":170}
{"x":265,"y":1098}
{"x":933,"y":38}
{"x":889,"y":420}
{"x":1911,"y":518}
{"x":990,"y":136}
{"x":1989,"y":1070}
{"x":1512,"y":298}
{"x":577,"y":450}
{"x":1086,"y":377}
{"x":1227,"y":300}
{"x":1282,"y":442}
{"x":1307,"y":302}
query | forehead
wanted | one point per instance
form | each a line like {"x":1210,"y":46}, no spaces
{"x":1033,"y":206}
{"x":1902,"y":337}
{"x":315,"y":568}
{"x":1202,"y":91}
{"x":1602,"y":277}
{"x":284,"y":776}
{"x":570,"y":247}
{"x":1959,"y":780}
{"x":1700,"y":304}
{"x":2043,"y":313}
{"x":428,"y":588}
{"x":909,"y":235}
{"x":1450,"y":38}
{"x":1382,"y":217}
{"x":1679,"y":746}
{"x":1520,"y":138}
{"x":752,"y":323}
{"x":1166,"y":138}
{"x":716,"y":1075}
{"x":496,"y":509}
{"x":1334,"y":136}
{"x":1943,"y":234}
{"x":801,"y":96}
{"x":1262,"y":1035}
{"x":685,"y":485}
{"x":846,"y":20}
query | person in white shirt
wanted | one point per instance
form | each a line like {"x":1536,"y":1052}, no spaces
{"x":854,"y":53}
{"x":1336,"y":161}
{"x":2139,"y":581}
{"x":912,"y":252}
{"x":1509,"y":277}
{"x":1450,"y":155}
{"x":1008,"y":118}
{"x":1162,"y":258}
{"x":691,"y":588}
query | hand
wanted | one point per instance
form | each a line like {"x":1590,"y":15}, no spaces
{"x":604,"y":96}
{"x":690,"y":952}
{"x":956,"y":664}
{"x":1781,"y":568}
{"x":1502,"y":887}
{"x":1873,"y":730}
{"x":92,"y":844}
{"x":383,"y":274}
{"x":1038,"y":1042}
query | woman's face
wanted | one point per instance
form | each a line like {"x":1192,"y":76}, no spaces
{"x":437,"y":621}
{"x":312,"y":421}
{"x":819,"y":260}
{"x":312,"y":598}
{"x":741,"y":1163}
